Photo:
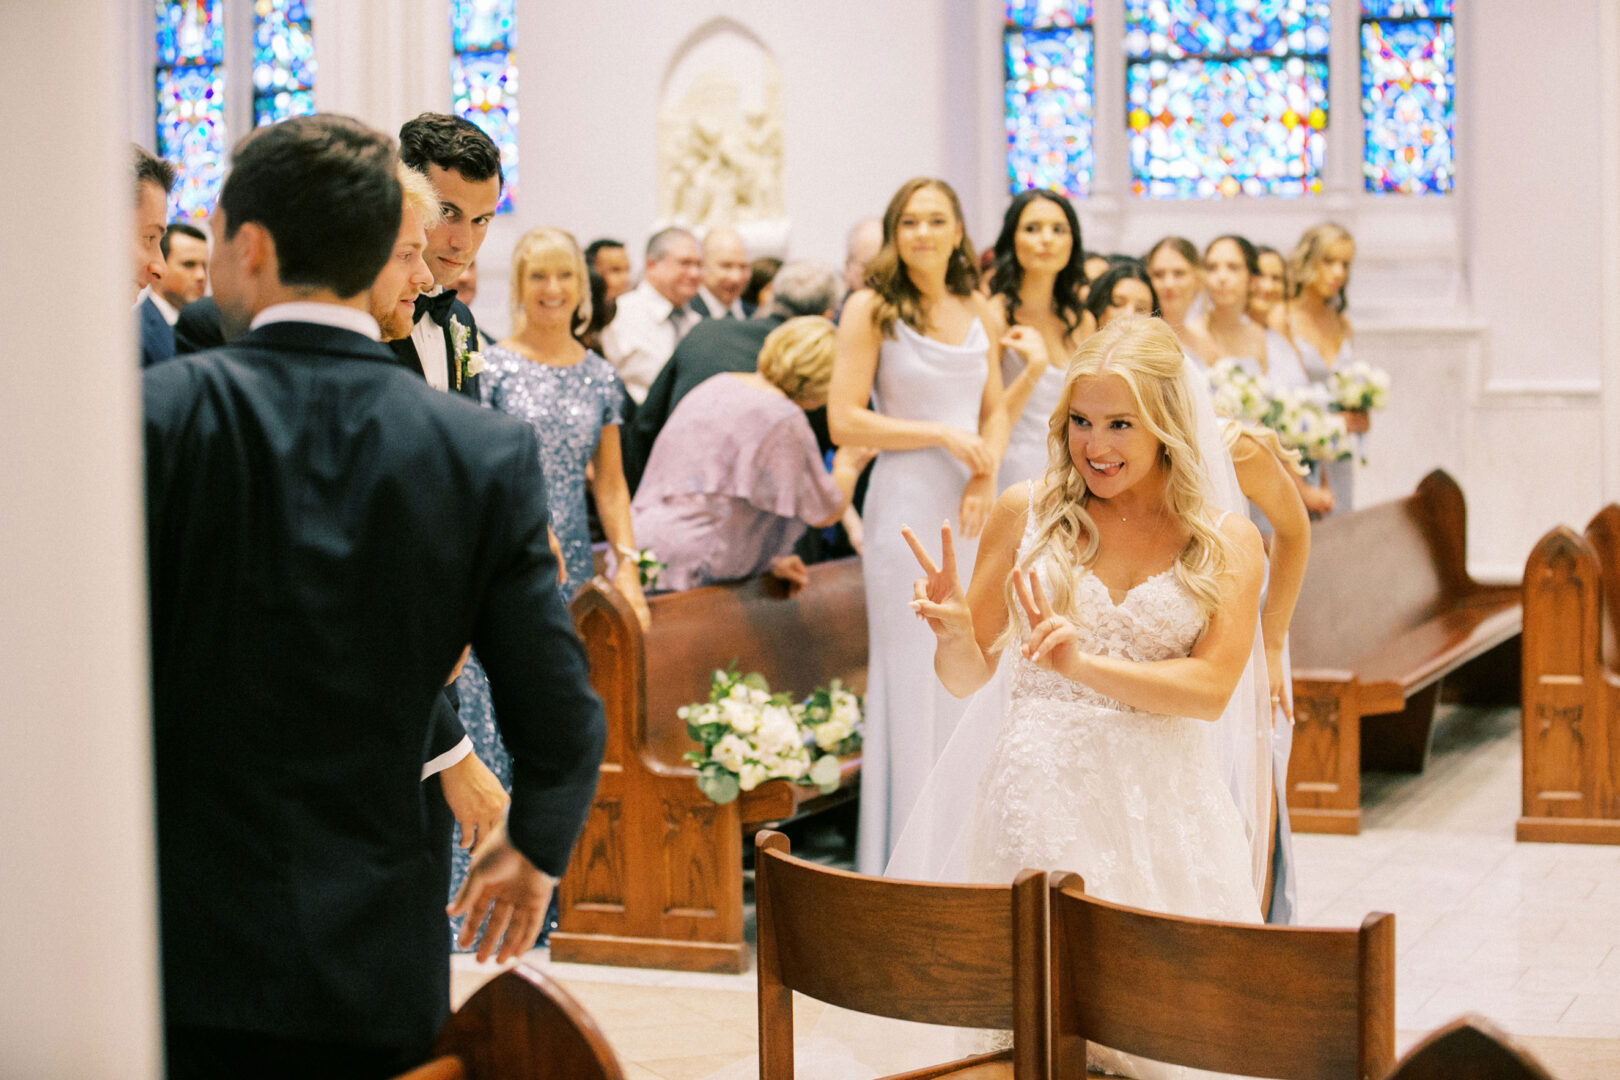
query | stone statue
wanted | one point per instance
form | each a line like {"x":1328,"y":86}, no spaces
{"x":720,"y":160}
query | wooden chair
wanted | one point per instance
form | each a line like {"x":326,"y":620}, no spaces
{"x":656,"y":879}
{"x":1571,"y":685}
{"x":963,"y":955}
{"x":1387,"y":615}
{"x":1256,"y":1000}
{"x":1468,"y":1048}
{"x":520,"y":1026}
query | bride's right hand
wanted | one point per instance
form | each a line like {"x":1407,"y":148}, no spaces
{"x":969,"y":449}
{"x":937,"y":596}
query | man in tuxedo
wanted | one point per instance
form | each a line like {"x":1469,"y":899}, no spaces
{"x":185,"y":269}
{"x":726,"y":271}
{"x":153,"y":180}
{"x":198,"y":327}
{"x":325,"y":535}
{"x":464,"y":166}
{"x":717,"y":345}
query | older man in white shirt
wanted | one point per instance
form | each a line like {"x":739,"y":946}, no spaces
{"x":654,"y":316}
{"x":726,"y":271}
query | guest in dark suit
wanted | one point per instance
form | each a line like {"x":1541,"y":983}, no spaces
{"x":464,"y":166}
{"x":325,"y":535}
{"x":153,"y":179}
{"x":198,"y":327}
{"x":716,"y":345}
{"x":726,"y":271}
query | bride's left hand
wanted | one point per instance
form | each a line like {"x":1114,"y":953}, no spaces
{"x":1053,"y":641}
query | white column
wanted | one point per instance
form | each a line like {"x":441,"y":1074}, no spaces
{"x":78,"y":959}
{"x":1609,"y":132}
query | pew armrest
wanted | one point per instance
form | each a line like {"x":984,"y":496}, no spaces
{"x":779,"y":800}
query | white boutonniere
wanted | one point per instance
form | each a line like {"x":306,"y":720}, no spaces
{"x":469,"y":362}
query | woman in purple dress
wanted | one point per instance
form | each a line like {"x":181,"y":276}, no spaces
{"x":735,"y":476}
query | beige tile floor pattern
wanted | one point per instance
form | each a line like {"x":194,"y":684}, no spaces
{"x":1527,"y":934}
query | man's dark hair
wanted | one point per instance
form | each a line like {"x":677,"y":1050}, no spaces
{"x":182,"y":229}
{"x":326,"y":189}
{"x":450,"y":143}
{"x":152,"y":170}
{"x":597,"y":245}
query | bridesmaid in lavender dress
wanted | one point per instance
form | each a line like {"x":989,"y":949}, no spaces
{"x":1319,"y":274}
{"x":736,"y":475}
{"x":918,"y":379}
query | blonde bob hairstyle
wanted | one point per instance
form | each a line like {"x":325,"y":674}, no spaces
{"x":797,"y":358}
{"x":1144,"y":352}
{"x":418,"y":195}
{"x":543,"y":240}
{"x":1306,"y":258}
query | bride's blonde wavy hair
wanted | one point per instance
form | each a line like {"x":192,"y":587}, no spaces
{"x":1145,"y":352}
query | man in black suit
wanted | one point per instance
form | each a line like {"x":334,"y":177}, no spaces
{"x":717,"y":345}
{"x":153,"y":179}
{"x":464,"y":166}
{"x":325,"y":536}
{"x":198,"y":327}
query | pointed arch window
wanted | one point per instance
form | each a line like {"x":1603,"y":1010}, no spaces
{"x":484,"y":78}
{"x":190,"y":87}
{"x":283,"y":60}
{"x":1408,"y":91}
{"x":1049,"y":47}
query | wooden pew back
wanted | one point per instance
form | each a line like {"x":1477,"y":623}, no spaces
{"x":1603,"y":533}
{"x":1270,"y":1001}
{"x":961,"y":955}
{"x":523,"y":1026}
{"x":1468,"y":1048}
{"x":1374,"y":573}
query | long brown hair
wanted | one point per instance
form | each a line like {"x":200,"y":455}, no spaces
{"x":887,"y":276}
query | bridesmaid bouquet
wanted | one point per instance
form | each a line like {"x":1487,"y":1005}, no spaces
{"x":750,"y":735}
{"x":1359,"y":387}
{"x":648,"y":568}
{"x":1239,"y":394}
{"x":835,"y":718}
{"x":1303,"y":424}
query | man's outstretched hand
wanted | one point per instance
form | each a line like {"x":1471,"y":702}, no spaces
{"x":507,"y":889}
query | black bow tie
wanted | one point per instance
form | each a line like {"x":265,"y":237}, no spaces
{"x":436,"y":306}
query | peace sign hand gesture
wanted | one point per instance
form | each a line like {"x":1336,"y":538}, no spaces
{"x":937,"y":596}
{"x":1053,"y":641}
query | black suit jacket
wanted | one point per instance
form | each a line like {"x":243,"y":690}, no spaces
{"x":405,"y":351}
{"x":710,"y":347}
{"x":198,"y":327}
{"x":699,"y":305}
{"x":325,"y":533}
{"x":157,"y":336}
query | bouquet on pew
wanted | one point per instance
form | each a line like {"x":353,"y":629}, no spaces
{"x":750,"y":735}
{"x":1302,"y":423}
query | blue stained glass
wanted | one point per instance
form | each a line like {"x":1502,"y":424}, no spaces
{"x":191,"y":133}
{"x":481,"y":25}
{"x":1408,"y":85}
{"x":1044,"y":14}
{"x":1214,"y":128}
{"x":483,"y":88}
{"x":190,"y":32}
{"x":1049,"y":110}
{"x":283,"y":60}
{"x":1226,"y":28}
{"x":1406,"y":9}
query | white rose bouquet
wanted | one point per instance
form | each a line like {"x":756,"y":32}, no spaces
{"x":749,"y":736}
{"x":1238,"y":394}
{"x":836,"y":718}
{"x":1303,"y":424}
{"x":1358,"y":387}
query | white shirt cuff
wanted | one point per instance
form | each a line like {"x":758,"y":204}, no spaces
{"x":448,"y":758}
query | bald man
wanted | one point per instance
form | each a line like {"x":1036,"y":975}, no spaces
{"x":726,"y":270}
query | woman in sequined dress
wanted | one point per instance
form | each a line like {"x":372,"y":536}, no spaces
{"x":574,"y":400}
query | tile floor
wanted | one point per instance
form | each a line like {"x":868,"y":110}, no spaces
{"x":1527,"y":934}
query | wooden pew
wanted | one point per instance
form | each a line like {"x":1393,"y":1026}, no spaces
{"x":656,"y":880}
{"x":1386,"y":613}
{"x":964,"y":955}
{"x":1468,"y":1048}
{"x":1572,"y":685}
{"x":1254,"y":1000}
{"x":520,"y":1026}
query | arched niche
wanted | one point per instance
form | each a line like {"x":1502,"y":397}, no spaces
{"x":720,"y":137}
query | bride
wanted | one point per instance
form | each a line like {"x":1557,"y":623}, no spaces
{"x":1126,"y":744}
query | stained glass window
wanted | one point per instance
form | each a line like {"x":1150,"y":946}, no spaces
{"x":190,"y":86}
{"x":1408,"y":87}
{"x":283,"y":60}
{"x":1226,"y":97}
{"x":483,"y":78}
{"x":1049,"y":47}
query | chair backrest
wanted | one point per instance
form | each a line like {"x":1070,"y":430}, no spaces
{"x":1257,"y":1000}
{"x":959,"y":955}
{"x":1468,"y":1048}
{"x":523,"y":1026}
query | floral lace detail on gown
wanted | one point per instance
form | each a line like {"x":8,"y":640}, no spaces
{"x":1131,"y":800}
